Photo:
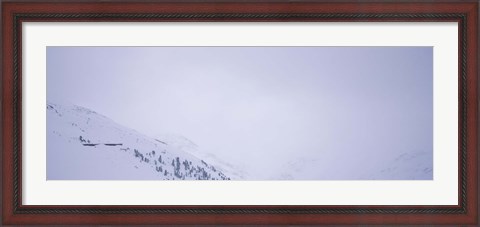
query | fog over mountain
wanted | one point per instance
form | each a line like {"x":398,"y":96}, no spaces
{"x":85,"y":145}
{"x":255,"y":112}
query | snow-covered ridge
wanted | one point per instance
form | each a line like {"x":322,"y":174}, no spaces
{"x":416,"y":165}
{"x":407,"y":166}
{"x":182,"y":143}
{"x":84,"y":145}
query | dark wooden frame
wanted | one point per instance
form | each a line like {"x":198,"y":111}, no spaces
{"x":16,"y":12}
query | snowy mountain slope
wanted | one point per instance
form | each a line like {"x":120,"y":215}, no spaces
{"x":184,"y":144}
{"x":407,"y":166}
{"x":84,"y":145}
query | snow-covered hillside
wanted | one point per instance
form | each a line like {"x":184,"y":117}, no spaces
{"x":406,"y":166}
{"x":182,"y":143}
{"x":84,"y":145}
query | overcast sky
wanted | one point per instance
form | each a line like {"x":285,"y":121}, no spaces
{"x":260,"y":106}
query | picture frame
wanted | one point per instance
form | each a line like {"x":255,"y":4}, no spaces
{"x":15,"y":13}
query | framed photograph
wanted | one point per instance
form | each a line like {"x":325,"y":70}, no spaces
{"x":315,"y":112}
